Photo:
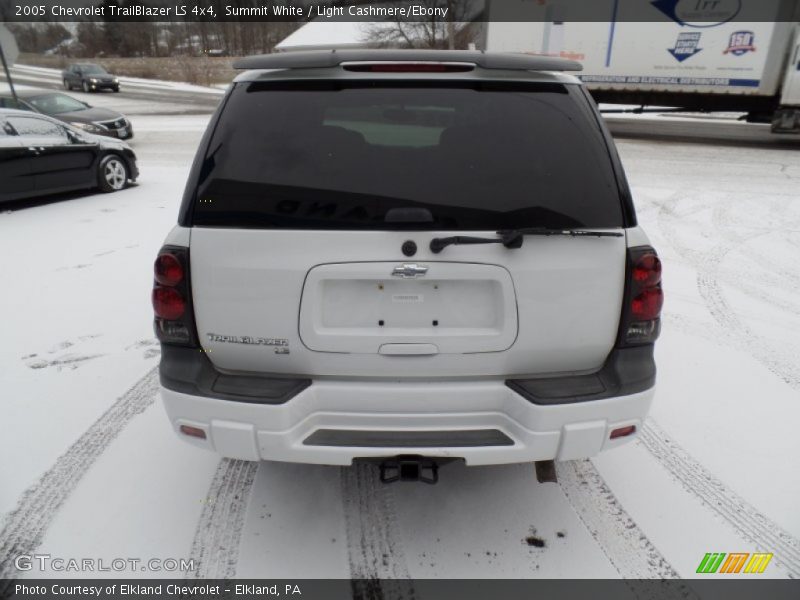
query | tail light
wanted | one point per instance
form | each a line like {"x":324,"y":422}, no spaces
{"x":641,"y":313}
{"x":172,"y":298}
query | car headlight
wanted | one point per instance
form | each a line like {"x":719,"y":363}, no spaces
{"x":93,"y":80}
{"x":116,"y":80}
{"x":90,"y":127}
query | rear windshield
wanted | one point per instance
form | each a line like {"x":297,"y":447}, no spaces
{"x":359,"y":155}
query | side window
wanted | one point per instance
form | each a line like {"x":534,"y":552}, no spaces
{"x":29,"y":126}
{"x":11,"y":103}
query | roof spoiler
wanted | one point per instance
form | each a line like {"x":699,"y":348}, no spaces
{"x":321,"y":59}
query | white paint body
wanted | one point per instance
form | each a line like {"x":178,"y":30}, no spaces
{"x":393,"y":354}
{"x":262,"y":432}
{"x":553,"y":306}
{"x":549,"y":308}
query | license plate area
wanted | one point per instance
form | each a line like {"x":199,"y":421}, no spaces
{"x":458,"y":307}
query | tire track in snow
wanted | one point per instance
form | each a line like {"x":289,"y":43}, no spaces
{"x":769,"y":274}
{"x":745,"y":519}
{"x":785,"y":367}
{"x":773,"y":274}
{"x":732,"y":328}
{"x":625,"y":545}
{"x":25,"y":526}
{"x":215,"y":549}
{"x":378,"y":565}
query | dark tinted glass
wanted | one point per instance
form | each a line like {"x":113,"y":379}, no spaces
{"x":94,"y":70}
{"x":33,"y":127}
{"x":468,"y":156}
{"x":54,"y":104}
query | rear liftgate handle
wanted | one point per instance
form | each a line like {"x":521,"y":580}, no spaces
{"x":408,"y":349}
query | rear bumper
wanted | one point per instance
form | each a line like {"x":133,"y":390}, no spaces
{"x":333,"y":422}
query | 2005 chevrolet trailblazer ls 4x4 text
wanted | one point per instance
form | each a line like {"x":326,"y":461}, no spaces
{"x":391,"y":253}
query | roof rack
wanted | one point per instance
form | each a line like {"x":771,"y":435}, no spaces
{"x":320,"y":59}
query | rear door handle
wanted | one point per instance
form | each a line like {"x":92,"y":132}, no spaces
{"x":408,"y":349}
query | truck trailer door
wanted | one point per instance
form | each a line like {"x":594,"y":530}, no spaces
{"x":791,"y":83}
{"x":787,"y":117}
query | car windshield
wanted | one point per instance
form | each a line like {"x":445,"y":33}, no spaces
{"x":54,"y":104}
{"x":465,"y":155}
{"x":93,"y":70}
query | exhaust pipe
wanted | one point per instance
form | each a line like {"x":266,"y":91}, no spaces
{"x":409,"y":468}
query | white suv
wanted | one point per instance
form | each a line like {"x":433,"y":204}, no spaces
{"x":391,"y":253}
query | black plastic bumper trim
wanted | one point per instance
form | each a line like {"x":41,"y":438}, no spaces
{"x":626,"y":371}
{"x":466,"y":438}
{"x":189,"y":371}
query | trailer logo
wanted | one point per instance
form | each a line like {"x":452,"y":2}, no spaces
{"x":736,"y":562}
{"x":699,"y":13}
{"x":741,"y":42}
{"x":685,"y":46}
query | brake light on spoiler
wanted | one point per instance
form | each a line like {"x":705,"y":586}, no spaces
{"x":408,"y":67}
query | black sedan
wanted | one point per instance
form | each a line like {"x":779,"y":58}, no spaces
{"x":89,"y":77}
{"x":100,"y":121}
{"x":40,"y":156}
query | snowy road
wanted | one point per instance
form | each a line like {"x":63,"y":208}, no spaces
{"x":164,"y":96}
{"x":92,"y":468}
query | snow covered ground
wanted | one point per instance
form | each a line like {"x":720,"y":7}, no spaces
{"x":91,"y":467}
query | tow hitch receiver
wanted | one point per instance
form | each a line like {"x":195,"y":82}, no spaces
{"x":409,"y":468}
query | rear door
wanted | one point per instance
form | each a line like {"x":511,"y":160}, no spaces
{"x":59,"y":161}
{"x":15,"y":166}
{"x":313,"y":193}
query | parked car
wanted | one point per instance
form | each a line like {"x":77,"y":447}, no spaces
{"x":92,"y":119}
{"x":40,"y":155}
{"x":89,"y":77}
{"x":409,"y":257}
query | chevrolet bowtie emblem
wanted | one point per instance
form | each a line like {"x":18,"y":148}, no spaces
{"x":409,"y":270}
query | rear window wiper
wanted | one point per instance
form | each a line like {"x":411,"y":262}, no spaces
{"x":512,"y":238}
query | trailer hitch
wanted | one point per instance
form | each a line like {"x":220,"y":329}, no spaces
{"x":409,"y":468}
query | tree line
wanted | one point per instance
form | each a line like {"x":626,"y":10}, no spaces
{"x":152,"y":38}
{"x":113,"y":37}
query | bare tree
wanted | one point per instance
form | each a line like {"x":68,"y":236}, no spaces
{"x":454,"y":31}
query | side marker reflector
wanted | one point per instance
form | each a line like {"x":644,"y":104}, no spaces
{"x":623,"y":432}
{"x":193,"y":431}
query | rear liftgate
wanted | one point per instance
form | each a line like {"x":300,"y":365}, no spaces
{"x":401,"y":309}
{"x":406,"y":309}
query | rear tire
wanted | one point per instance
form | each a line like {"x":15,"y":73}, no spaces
{"x":112,"y":174}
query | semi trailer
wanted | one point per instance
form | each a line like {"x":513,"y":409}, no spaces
{"x":695,"y":55}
